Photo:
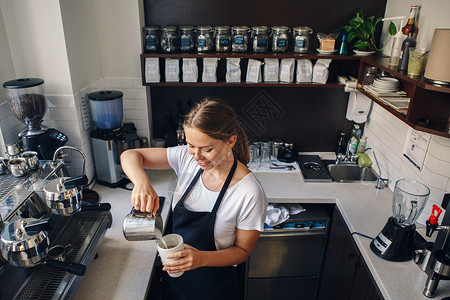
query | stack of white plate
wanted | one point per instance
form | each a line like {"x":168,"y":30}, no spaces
{"x":385,"y":84}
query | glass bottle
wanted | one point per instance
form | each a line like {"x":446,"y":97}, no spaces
{"x":280,"y":38}
{"x":411,"y":28}
{"x":223,"y":39}
{"x":205,"y":39}
{"x":408,"y":43}
{"x":239,"y":38}
{"x":186,"y":38}
{"x":341,"y":145}
{"x":343,"y":48}
{"x":260,"y":39}
{"x":151,"y":38}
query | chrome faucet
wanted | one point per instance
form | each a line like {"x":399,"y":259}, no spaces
{"x":348,"y":157}
{"x":380,"y":180}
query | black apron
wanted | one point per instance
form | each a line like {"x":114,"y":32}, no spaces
{"x":197,"y":230}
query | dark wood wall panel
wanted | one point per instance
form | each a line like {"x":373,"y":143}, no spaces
{"x":310,"y":117}
{"x":321,"y":15}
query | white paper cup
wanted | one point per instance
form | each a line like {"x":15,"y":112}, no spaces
{"x":175,"y":244}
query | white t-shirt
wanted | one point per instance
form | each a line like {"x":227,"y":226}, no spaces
{"x":243,"y":205}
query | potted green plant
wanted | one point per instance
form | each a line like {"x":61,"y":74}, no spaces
{"x":361,"y":33}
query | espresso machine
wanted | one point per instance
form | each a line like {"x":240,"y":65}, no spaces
{"x":395,"y":242}
{"x":110,"y":137}
{"x":28,"y":104}
{"x":438,"y":266}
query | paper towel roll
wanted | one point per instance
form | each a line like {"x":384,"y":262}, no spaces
{"x":358,"y":107}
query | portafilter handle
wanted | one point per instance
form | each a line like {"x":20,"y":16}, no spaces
{"x":70,"y":148}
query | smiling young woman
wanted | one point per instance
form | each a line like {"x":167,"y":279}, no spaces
{"x":219,"y":216}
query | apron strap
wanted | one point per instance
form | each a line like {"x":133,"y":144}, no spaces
{"x":225,"y":187}
{"x":191,"y":185}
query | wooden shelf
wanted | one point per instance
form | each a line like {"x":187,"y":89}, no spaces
{"x":428,"y":101}
{"x":245,"y":84}
{"x":249,"y":55}
{"x":383,"y":64}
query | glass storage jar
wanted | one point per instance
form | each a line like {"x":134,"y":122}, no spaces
{"x":170,"y":40}
{"x":151,"y":38}
{"x":280,"y":38}
{"x":187,"y":34}
{"x":223,"y":39}
{"x":301,"y":39}
{"x":260,"y":38}
{"x":239,"y":38}
{"x":205,"y":38}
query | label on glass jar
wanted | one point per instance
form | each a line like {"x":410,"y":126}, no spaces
{"x":151,"y":41}
{"x":281,"y":43}
{"x":239,"y":40}
{"x":300,"y":42}
{"x":185,"y":42}
{"x":261,"y":43}
{"x":224,"y":42}
{"x":201,"y":42}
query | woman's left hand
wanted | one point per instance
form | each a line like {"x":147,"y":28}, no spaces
{"x":188,"y":259}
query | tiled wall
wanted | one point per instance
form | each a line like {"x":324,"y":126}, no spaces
{"x":65,"y":114}
{"x":387,"y":135}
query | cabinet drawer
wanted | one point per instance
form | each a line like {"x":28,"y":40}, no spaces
{"x":282,"y":288}
{"x":287,"y":256}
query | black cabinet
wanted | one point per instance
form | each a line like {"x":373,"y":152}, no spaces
{"x":345,"y":274}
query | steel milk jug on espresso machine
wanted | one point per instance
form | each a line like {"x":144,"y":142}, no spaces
{"x":110,"y":138}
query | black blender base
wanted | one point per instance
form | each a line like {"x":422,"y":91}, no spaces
{"x":395,"y":242}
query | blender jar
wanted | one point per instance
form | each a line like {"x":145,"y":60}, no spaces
{"x":410,"y":197}
{"x":107,"y":109}
{"x":26,"y":100}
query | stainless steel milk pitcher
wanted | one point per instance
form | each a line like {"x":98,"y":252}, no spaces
{"x":142,"y":226}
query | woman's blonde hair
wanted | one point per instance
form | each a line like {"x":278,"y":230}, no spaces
{"x":217,"y":119}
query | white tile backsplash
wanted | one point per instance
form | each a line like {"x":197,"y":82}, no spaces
{"x":387,"y":134}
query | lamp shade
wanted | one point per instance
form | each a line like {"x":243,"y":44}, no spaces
{"x":438,"y":66}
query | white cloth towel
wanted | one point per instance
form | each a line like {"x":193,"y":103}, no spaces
{"x":278,"y":213}
{"x":358,"y":107}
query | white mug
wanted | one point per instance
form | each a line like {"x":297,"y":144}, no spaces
{"x":175,"y":244}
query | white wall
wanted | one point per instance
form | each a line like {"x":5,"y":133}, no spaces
{"x":6,"y":65}
{"x":76,"y":47}
{"x":432,"y":14}
{"x":387,"y":134}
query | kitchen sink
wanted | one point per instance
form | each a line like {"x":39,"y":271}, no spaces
{"x":350,"y":172}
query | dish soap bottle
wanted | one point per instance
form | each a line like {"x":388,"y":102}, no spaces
{"x":354,"y":140}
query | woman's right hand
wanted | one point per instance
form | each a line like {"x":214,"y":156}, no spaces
{"x":144,"y":198}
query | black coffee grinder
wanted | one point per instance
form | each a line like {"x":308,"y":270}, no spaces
{"x":395,"y":242}
{"x":28,"y":104}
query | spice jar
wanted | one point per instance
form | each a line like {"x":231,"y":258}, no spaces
{"x":151,"y":38}
{"x":260,"y":39}
{"x":301,"y":39}
{"x":280,"y":38}
{"x":205,"y":38}
{"x":169,"y":39}
{"x":186,"y":38}
{"x":239,"y":38}
{"x":223,"y":39}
